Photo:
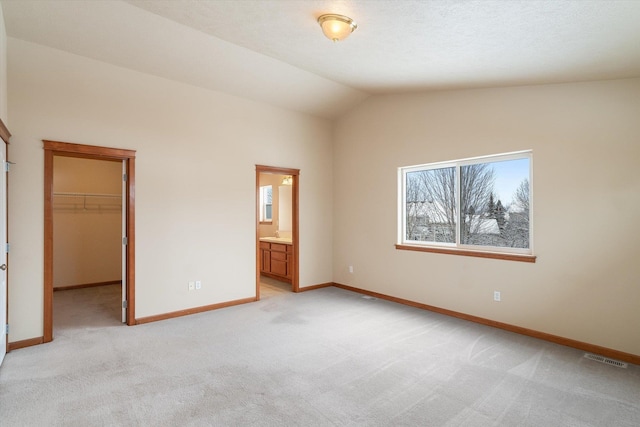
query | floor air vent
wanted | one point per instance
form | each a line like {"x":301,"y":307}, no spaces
{"x":606,"y":360}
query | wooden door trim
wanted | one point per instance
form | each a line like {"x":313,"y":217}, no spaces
{"x":6,"y":135}
{"x":295,"y":174}
{"x":66,"y":149}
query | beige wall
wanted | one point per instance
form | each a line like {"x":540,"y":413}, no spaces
{"x":195,"y":178}
{"x":3,"y":70}
{"x":285,"y":211}
{"x":87,"y":242}
{"x":586,"y":195}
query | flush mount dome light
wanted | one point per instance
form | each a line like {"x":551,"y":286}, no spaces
{"x":336,"y":27}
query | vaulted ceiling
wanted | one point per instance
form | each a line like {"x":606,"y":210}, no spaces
{"x":273,"y":50}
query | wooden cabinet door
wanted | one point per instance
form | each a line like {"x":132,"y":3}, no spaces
{"x":265,"y":257}
{"x":279,"y":268}
{"x":266,"y":261}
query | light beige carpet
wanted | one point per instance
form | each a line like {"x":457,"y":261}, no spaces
{"x":327,"y":357}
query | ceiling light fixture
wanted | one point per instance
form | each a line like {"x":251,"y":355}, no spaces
{"x":337,"y":27}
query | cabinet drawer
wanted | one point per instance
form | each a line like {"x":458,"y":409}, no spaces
{"x":278,"y":247}
{"x":265,"y":245}
{"x":279,"y":255}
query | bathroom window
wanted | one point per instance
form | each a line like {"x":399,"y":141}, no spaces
{"x":266,"y":204}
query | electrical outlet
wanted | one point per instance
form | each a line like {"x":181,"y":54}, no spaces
{"x":198,"y":284}
{"x":496,"y":296}
{"x":192,"y":286}
{"x":351,"y":269}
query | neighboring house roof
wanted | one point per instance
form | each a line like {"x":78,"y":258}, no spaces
{"x":483,"y":225}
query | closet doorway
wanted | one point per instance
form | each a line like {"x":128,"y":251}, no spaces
{"x":89,"y":232}
{"x":277,"y":240}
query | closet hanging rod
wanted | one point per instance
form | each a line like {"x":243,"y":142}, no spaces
{"x":96,"y":202}
{"x":63,"y":194}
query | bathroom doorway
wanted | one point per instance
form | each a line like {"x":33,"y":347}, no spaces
{"x":277,"y":229}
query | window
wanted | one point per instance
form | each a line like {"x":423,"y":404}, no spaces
{"x":471,"y":205}
{"x":266,"y":204}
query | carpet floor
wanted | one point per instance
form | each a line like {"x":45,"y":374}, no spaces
{"x":327,"y":357}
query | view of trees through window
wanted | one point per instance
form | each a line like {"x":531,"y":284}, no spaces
{"x":490,"y":199}
{"x":266,"y":204}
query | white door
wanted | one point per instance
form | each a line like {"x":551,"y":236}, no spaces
{"x":3,"y":252}
{"x":124,"y":242}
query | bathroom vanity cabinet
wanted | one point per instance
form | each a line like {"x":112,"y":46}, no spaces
{"x":276,"y":260}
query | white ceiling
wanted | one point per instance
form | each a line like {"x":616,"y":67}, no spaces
{"x":273,"y":50}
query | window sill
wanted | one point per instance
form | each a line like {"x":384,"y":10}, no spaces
{"x":466,"y":252}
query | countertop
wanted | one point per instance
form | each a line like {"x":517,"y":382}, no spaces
{"x":282,"y":240}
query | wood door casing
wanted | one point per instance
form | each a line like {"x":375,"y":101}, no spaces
{"x":4,"y":289}
{"x":57,"y":148}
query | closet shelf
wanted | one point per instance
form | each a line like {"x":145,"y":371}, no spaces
{"x":86,"y":202}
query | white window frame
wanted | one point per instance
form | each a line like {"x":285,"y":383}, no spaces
{"x":263,"y":204}
{"x":457,"y":246}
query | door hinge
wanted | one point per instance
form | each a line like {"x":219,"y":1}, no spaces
{"x":125,"y":241}
{"x":7,"y":166}
{"x":124,"y":304}
{"x":125,"y":177}
{"x":7,"y":247}
{"x":6,"y":329}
